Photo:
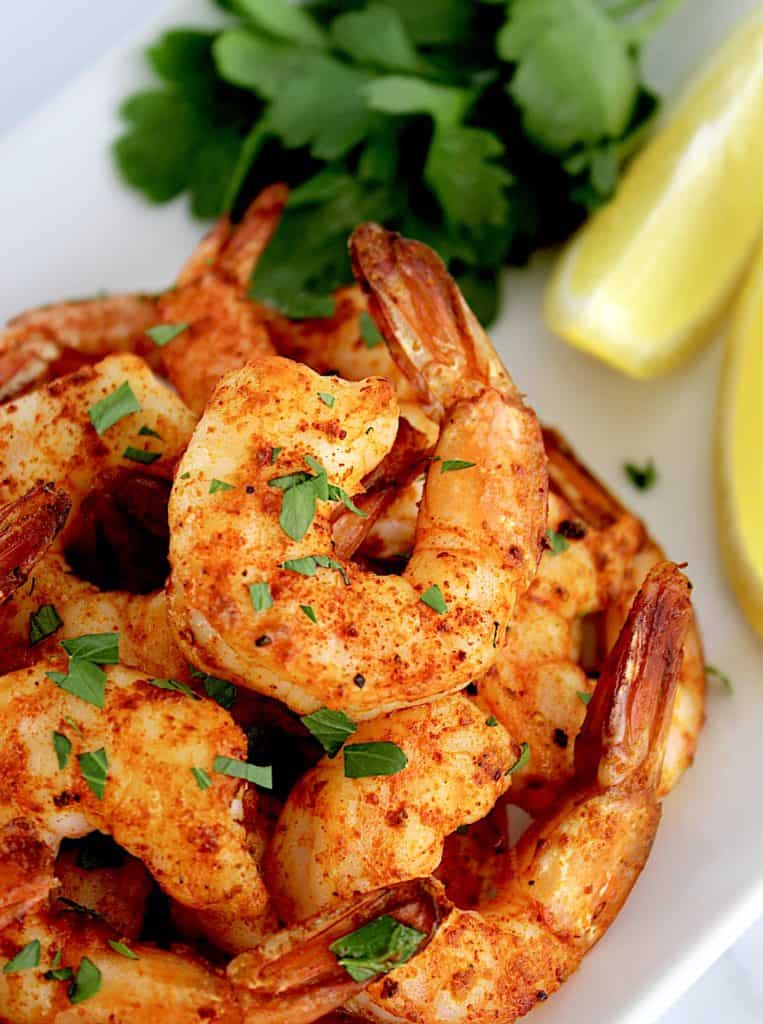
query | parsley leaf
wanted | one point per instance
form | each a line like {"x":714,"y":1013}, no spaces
{"x":86,"y":983}
{"x":260,"y":775}
{"x":453,"y":465}
{"x":433,"y":599}
{"x":369,"y":332}
{"x":522,"y":761}
{"x":99,"y":648}
{"x":63,"y":748}
{"x":557,"y":543}
{"x":330,"y":728}
{"x":584,"y":696}
{"x":203,"y":780}
{"x":94,"y":766}
{"x":642,"y":477}
{"x":327,"y":399}
{"x":113,"y":407}
{"x":220,"y":485}
{"x":43,"y":623}
{"x":84,"y":679}
{"x":376,"y":948}
{"x":175,"y":686}
{"x":140,"y":455}
{"x":25,"y":959}
{"x":260,"y":596}
{"x":308,"y":564}
{"x":309,"y":612}
{"x":123,"y":950}
{"x":364,"y":760}
{"x":220,"y":691}
{"x":148,"y":432}
{"x":162,"y":334}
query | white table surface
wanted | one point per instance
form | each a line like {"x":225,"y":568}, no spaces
{"x":48,"y":42}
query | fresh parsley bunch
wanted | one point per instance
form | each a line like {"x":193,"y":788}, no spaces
{"x":485,"y":129}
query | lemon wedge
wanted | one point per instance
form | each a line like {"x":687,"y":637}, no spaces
{"x":643,"y":281}
{"x":740,"y":449}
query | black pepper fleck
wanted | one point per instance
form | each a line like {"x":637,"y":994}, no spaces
{"x":472,"y":689}
{"x":360,"y":680}
{"x":560,"y":738}
{"x":263,"y":641}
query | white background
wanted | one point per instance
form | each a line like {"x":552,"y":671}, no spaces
{"x":47,"y":43}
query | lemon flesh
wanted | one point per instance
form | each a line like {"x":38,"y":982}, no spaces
{"x":740,"y":449}
{"x":642,"y":282}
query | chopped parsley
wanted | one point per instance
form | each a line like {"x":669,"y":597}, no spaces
{"x":557,"y":543}
{"x":722,"y":678}
{"x":365,"y":760}
{"x":522,"y":761}
{"x":330,"y":728}
{"x":174,"y":685}
{"x":453,"y":465}
{"x":86,"y":983}
{"x":369,"y":332}
{"x":98,"y":648}
{"x":260,"y":775}
{"x":94,"y":766}
{"x":308,"y":564}
{"x":309,"y":612}
{"x":203,"y":780}
{"x":43,"y":623}
{"x":491,"y":720}
{"x":162,"y":334}
{"x":274,"y":453}
{"x":433,"y":599}
{"x":148,"y":432}
{"x":327,"y":399}
{"x":84,"y":679}
{"x":585,"y":696}
{"x":642,"y":477}
{"x":113,"y":407}
{"x":376,"y":948}
{"x":220,"y":485}
{"x":301,"y":491}
{"x":140,"y":455}
{"x":25,"y":959}
{"x":63,"y":748}
{"x":123,"y":950}
{"x":219,"y":690}
{"x":260,"y":596}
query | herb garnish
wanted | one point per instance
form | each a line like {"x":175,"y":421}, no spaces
{"x":63,"y":748}
{"x":433,"y":599}
{"x":220,"y":690}
{"x":308,"y":564}
{"x":491,"y":720}
{"x":364,"y":760}
{"x":260,"y":596}
{"x":301,"y":491}
{"x":220,"y":485}
{"x":94,"y":766}
{"x":369,"y":332}
{"x":309,"y":612}
{"x":113,"y":407}
{"x":99,"y":648}
{"x":25,"y":959}
{"x":164,"y":333}
{"x":43,"y":623}
{"x":140,"y":455}
{"x":376,"y":948}
{"x":642,"y":477}
{"x":86,"y":983}
{"x":522,"y":761}
{"x":327,"y":399}
{"x":453,"y":465}
{"x":260,"y":775}
{"x":148,"y":432}
{"x":330,"y":728}
{"x":123,"y":950}
{"x":203,"y":780}
{"x":556,"y":542}
{"x":174,"y":685}
{"x":84,"y":679}
{"x":585,"y":696}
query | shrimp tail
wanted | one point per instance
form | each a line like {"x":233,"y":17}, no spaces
{"x":624,"y":732}
{"x":26,"y":869}
{"x":28,"y":526}
{"x":293,"y":976}
{"x":430,"y":330}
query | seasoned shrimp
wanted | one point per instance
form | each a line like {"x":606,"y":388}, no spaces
{"x":539,"y":685}
{"x":292,"y":978}
{"x":42,"y":344}
{"x":574,"y":868}
{"x":28,"y":526}
{"x":48,"y":435}
{"x":342,"y":636}
{"x":336,"y":833}
{"x":224,"y":328}
{"x":150,"y":741}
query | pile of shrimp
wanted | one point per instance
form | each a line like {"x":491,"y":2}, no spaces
{"x":292,"y":614}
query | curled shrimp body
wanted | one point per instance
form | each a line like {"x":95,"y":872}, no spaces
{"x":28,"y":527}
{"x":223,"y":328}
{"x":291,"y":978}
{"x":565,"y":624}
{"x":575,"y":867}
{"x":381,"y":641}
{"x":48,"y":435}
{"x":339,"y":835}
{"x":42,"y":344}
{"x":150,"y":801}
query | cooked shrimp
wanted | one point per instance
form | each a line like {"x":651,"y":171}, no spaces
{"x":539,"y":685}
{"x":225,"y":329}
{"x":574,"y":867}
{"x":47,"y":435}
{"x":150,"y":801}
{"x":378,"y":643}
{"x":46,"y":343}
{"x":292,"y":978}
{"x":339,"y":835}
{"x":28,"y":526}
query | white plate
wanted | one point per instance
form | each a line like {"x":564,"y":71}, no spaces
{"x":70,"y":228}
